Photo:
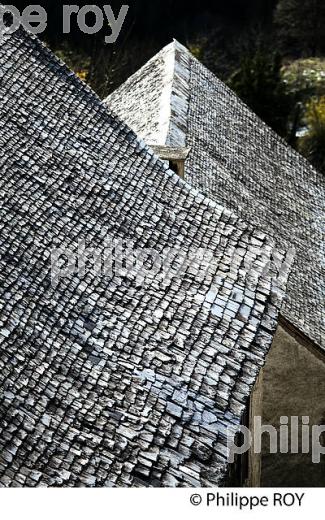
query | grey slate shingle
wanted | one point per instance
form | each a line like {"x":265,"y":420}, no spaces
{"x":105,"y":382}
{"x":237,"y":161}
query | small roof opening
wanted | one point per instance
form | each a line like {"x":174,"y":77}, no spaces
{"x":175,"y":156}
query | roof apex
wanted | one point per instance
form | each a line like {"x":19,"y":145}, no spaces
{"x":173,"y":45}
{"x":155,"y":98}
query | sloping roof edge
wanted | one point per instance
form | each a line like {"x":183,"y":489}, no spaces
{"x":179,"y":99}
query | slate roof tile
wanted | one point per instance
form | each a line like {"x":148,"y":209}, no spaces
{"x":106,"y":381}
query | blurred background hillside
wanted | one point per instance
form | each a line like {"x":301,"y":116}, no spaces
{"x":271,"y":52}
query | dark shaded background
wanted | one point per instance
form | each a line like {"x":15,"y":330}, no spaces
{"x":162,"y":20}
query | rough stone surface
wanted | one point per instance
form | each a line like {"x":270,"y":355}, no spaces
{"x":293,"y":379}
{"x":106,"y":381}
{"x":237,"y":161}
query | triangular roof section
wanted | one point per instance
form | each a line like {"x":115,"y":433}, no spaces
{"x":154,"y":101}
{"x":128,"y":378}
{"x":238,"y":161}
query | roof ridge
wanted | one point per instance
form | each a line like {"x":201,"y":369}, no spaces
{"x":165,"y":107}
{"x":169,"y":106}
{"x":162,"y":101}
{"x":180,"y":94}
{"x":181,"y":47}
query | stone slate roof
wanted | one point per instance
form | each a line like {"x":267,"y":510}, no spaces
{"x":237,"y":161}
{"x":112,"y":380}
